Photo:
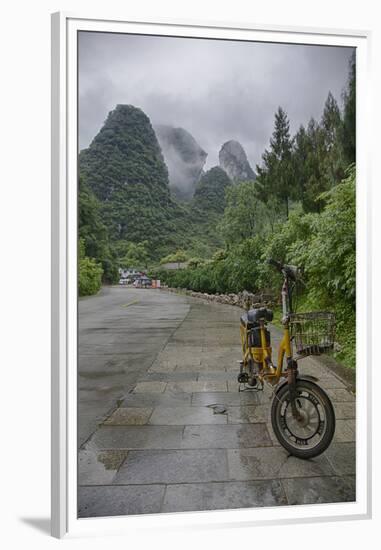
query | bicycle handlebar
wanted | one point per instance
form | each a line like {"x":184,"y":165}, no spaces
{"x":291,"y":271}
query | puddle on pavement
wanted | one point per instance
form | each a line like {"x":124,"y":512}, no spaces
{"x":111,"y":460}
{"x":98,"y":467}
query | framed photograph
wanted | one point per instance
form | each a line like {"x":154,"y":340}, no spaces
{"x":211,"y":277}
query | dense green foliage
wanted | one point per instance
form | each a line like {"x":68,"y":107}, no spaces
{"x":133,"y":254}
{"x":125,"y":170}
{"x":245,"y":214}
{"x":125,"y":153}
{"x":177,"y":257}
{"x":209,"y":193}
{"x":94,"y":234}
{"x":89,"y":273}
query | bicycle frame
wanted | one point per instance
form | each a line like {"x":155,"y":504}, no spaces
{"x":263,"y":355}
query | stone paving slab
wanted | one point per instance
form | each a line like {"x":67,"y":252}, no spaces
{"x":193,"y":387}
{"x":111,"y":350}
{"x":172,"y":351}
{"x":92,"y":412}
{"x":318,"y":490}
{"x":99,"y":468}
{"x":217,"y":365}
{"x":273,"y":463}
{"x":129,"y":416}
{"x":342,"y":457}
{"x":345,"y":431}
{"x":95,"y":364}
{"x":233,"y":386}
{"x":272,"y":435}
{"x":119,"y":501}
{"x":138,"y":437}
{"x":213,"y":350}
{"x":229,"y":436}
{"x":331,"y":382}
{"x":174,"y":376}
{"x":345,"y":410}
{"x":175,"y":466}
{"x":181,"y":416}
{"x":150,"y":387}
{"x":248,"y":414}
{"x":163,"y":366}
{"x":107,"y":382}
{"x":340,"y":395}
{"x":188,"y":365}
{"x":186,"y":340}
{"x":222,"y":354}
{"x":180,"y":361}
{"x":157,"y":399}
{"x":222,"y":496}
{"x":216,"y":375}
{"x":225,"y":398}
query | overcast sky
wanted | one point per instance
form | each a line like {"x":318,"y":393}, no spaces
{"x":217,"y":90}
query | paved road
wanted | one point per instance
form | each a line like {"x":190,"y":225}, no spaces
{"x":151,"y":364}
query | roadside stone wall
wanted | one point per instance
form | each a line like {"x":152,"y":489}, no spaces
{"x":245,"y":300}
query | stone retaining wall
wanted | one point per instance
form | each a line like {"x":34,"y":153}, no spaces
{"x":245,"y":300}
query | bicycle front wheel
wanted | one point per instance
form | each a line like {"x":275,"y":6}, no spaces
{"x":311,"y":433}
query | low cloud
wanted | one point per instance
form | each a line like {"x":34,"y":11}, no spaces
{"x":217,"y":90}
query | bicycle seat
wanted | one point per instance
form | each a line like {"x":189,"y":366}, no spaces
{"x":253,"y":316}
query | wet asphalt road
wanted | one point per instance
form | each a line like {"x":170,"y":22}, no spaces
{"x":151,"y":366}
{"x":120,"y":333}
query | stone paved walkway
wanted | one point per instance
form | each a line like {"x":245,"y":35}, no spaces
{"x":162,"y":448}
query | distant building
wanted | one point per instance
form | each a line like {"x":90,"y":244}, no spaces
{"x":124,"y":273}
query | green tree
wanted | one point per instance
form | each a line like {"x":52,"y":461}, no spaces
{"x":317,"y":157}
{"x":177,"y":257}
{"x":275,"y":176}
{"x":94,"y":233}
{"x":309,"y":152}
{"x":349,"y":116}
{"x":135,"y":255}
{"x":329,"y":256}
{"x":331,"y":125}
{"x":89,"y":272}
{"x":245,"y":214}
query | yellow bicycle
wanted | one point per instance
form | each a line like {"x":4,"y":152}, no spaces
{"x":302,"y":414}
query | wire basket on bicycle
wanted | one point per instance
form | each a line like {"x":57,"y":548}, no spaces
{"x":313,"y":332}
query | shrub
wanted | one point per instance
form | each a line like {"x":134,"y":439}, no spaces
{"x":89,"y":273}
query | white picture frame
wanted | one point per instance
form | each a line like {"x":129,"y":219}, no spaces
{"x":65,"y":27}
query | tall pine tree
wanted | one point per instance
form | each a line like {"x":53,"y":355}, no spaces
{"x":275,"y":176}
{"x":349,"y":117}
{"x":331,"y":126}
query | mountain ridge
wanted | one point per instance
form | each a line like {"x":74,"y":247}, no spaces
{"x":184,"y":158}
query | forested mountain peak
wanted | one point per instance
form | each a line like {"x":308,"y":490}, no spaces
{"x":234,"y":161}
{"x":184,"y":158}
{"x":125,"y":169}
{"x":125,"y":152}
